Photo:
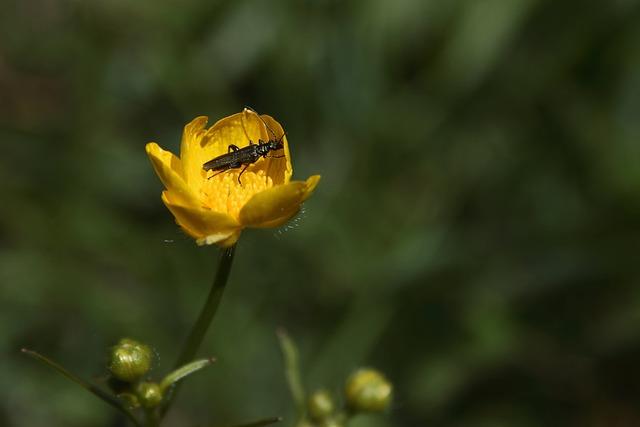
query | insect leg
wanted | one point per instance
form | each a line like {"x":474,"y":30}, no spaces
{"x":239,"y":175}
{"x":232,"y":147}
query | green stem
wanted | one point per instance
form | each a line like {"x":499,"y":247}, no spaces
{"x":152,"y":417}
{"x":204,"y":319}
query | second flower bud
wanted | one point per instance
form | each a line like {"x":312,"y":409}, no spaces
{"x":130,"y":360}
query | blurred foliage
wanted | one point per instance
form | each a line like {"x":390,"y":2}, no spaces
{"x":474,"y":236}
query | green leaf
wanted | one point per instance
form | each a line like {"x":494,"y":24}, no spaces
{"x":99,"y":393}
{"x":183,"y":371}
{"x":292,"y":371}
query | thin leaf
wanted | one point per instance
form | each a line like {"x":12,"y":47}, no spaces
{"x":292,"y":371}
{"x":99,"y":393}
{"x":183,"y":371}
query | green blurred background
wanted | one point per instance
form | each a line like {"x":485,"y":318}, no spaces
{"x":475,"y":234}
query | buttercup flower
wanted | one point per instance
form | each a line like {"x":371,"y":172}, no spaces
{"x":215,"y":209}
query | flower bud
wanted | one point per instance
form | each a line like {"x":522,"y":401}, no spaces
{"x":130,"y":360}
{"x":149,"y":394}
{"x":367,"y":390}
{"x":320,"y":405}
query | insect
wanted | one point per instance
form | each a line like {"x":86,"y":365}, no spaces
{"x":237,"y":157}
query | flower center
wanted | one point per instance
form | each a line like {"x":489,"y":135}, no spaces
{"x":224,"y":194}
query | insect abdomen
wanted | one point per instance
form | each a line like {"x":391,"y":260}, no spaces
{"x":232,"y":160}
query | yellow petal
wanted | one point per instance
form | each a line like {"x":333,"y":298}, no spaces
{"x":279,"y":169}
{"x":224,"y":242}
{"x":169,"y":169}
{"x":190,"y":149}
{"x":280,"y":221}
{"x":201,"y":223}
{"x":277,"y":204}
{"x":199,"y":145}
{"x":312,"y":182}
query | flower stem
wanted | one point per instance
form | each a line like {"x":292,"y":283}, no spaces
{"x":204,"y":319}
{"x":152,"y":418}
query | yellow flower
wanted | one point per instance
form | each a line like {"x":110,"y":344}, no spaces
{"x":216,"y":209}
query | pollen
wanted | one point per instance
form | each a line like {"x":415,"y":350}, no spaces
{"x":224,"y":194}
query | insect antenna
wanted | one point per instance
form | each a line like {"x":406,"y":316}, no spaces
{"x":217,"y":173}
